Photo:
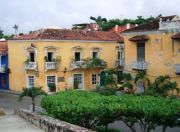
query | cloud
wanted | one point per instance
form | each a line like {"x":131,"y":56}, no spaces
{"x":34,"y":14}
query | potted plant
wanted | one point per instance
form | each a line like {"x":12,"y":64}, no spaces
{"x":52,"y":87}
{"x":27,"y":61}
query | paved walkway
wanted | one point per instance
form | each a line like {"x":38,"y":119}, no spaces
{"x":11,"y":122}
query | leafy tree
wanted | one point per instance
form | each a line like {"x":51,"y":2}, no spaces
{"x":1,"y":32}
{"x":32,"y":93}
{"x":105,"y":24}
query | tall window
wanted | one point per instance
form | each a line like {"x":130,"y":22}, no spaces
{"x":94,"y":55}
{"x":140,"y":52}
{"x":77,"y":56}
{"x":32,"y":56}
{"x":50,"y":56}
{"x":94,"y":78}
{"x":51,"y":80}
{"x":30,"y":82}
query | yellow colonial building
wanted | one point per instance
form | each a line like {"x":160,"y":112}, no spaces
{"x":154,"y":47}
{"x":59,"y":59}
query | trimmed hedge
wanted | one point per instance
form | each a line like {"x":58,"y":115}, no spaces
{"x":90,"y":109}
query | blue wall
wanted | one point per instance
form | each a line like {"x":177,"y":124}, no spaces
{"x":4,"y":77}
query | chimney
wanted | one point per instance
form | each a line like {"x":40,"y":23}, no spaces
{"x":116,"y":28}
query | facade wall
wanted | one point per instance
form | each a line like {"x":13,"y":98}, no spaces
{"x":161,"y":54}
{"x":18,"y":54}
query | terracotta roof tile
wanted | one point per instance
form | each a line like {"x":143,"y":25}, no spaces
{"x":3,"y":47}
{"x":62,"y":34}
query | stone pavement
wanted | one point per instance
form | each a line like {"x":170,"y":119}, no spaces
{"x":11,"y":122}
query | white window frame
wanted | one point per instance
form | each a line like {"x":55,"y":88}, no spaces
{"x":47,"y":82}
{"x":27,"y":80}
{"x":94,"y":79}
{"x":82,"y":80}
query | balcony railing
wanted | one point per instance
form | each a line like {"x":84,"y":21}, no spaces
{"x":120,"y":62}
{"x":3,"y":68}
{"x":177,"y":68}
{"x":139,"y":65}
{"x":169,"y":25}
{"x":78,"y":64}
{"x":30,"y":66}
{"x":51,"y":65}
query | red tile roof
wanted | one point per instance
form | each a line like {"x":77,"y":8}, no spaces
{"x":176,"y":36}
{"x":3,"y":47}
{"x":153,"y":25}
{"x":62,"y":34}
{"x":139,"y":38}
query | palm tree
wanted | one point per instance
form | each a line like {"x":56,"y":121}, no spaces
{"x":99,"y":20}
{"x":141,"y":77}
{"x":15,"y":27}
{"x":163,"y":84}
{"x":32,"y":93}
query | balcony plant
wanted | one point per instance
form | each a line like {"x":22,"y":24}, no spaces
{"x":57,"y":59}
{"x":80,"y":64}
{"x":95,"y":62}
{"x":27,"y":61}
{"x":52,"y":87}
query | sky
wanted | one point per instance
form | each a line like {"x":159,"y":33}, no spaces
{"x":31,"y":15}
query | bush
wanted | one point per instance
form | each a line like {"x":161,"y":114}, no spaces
{"x":107,"y":91}
{"x":52,"y":87}
{"x":103,"y":129}
{"x":90,"y":109}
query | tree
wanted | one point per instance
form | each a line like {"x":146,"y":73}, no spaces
{"x":1,"y":32}
{"x":32,"y":93}
{"x":15,"y":27}
{"x":99,"y":20}
{"x":105,"y":24}
{"x":162,"y":85}
{"x":142,"y":78}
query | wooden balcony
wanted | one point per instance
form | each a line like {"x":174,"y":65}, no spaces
{"x":177,"y":68}
{"x":30,"y":66}
{"x":51,"y":65}
{"x":139,"y":65}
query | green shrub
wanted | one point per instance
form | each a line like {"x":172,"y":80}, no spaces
{"x":107,"y":91}
{"x":103,"y":129}
{"x":90,"y":109}
{"x":52,"y":87}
